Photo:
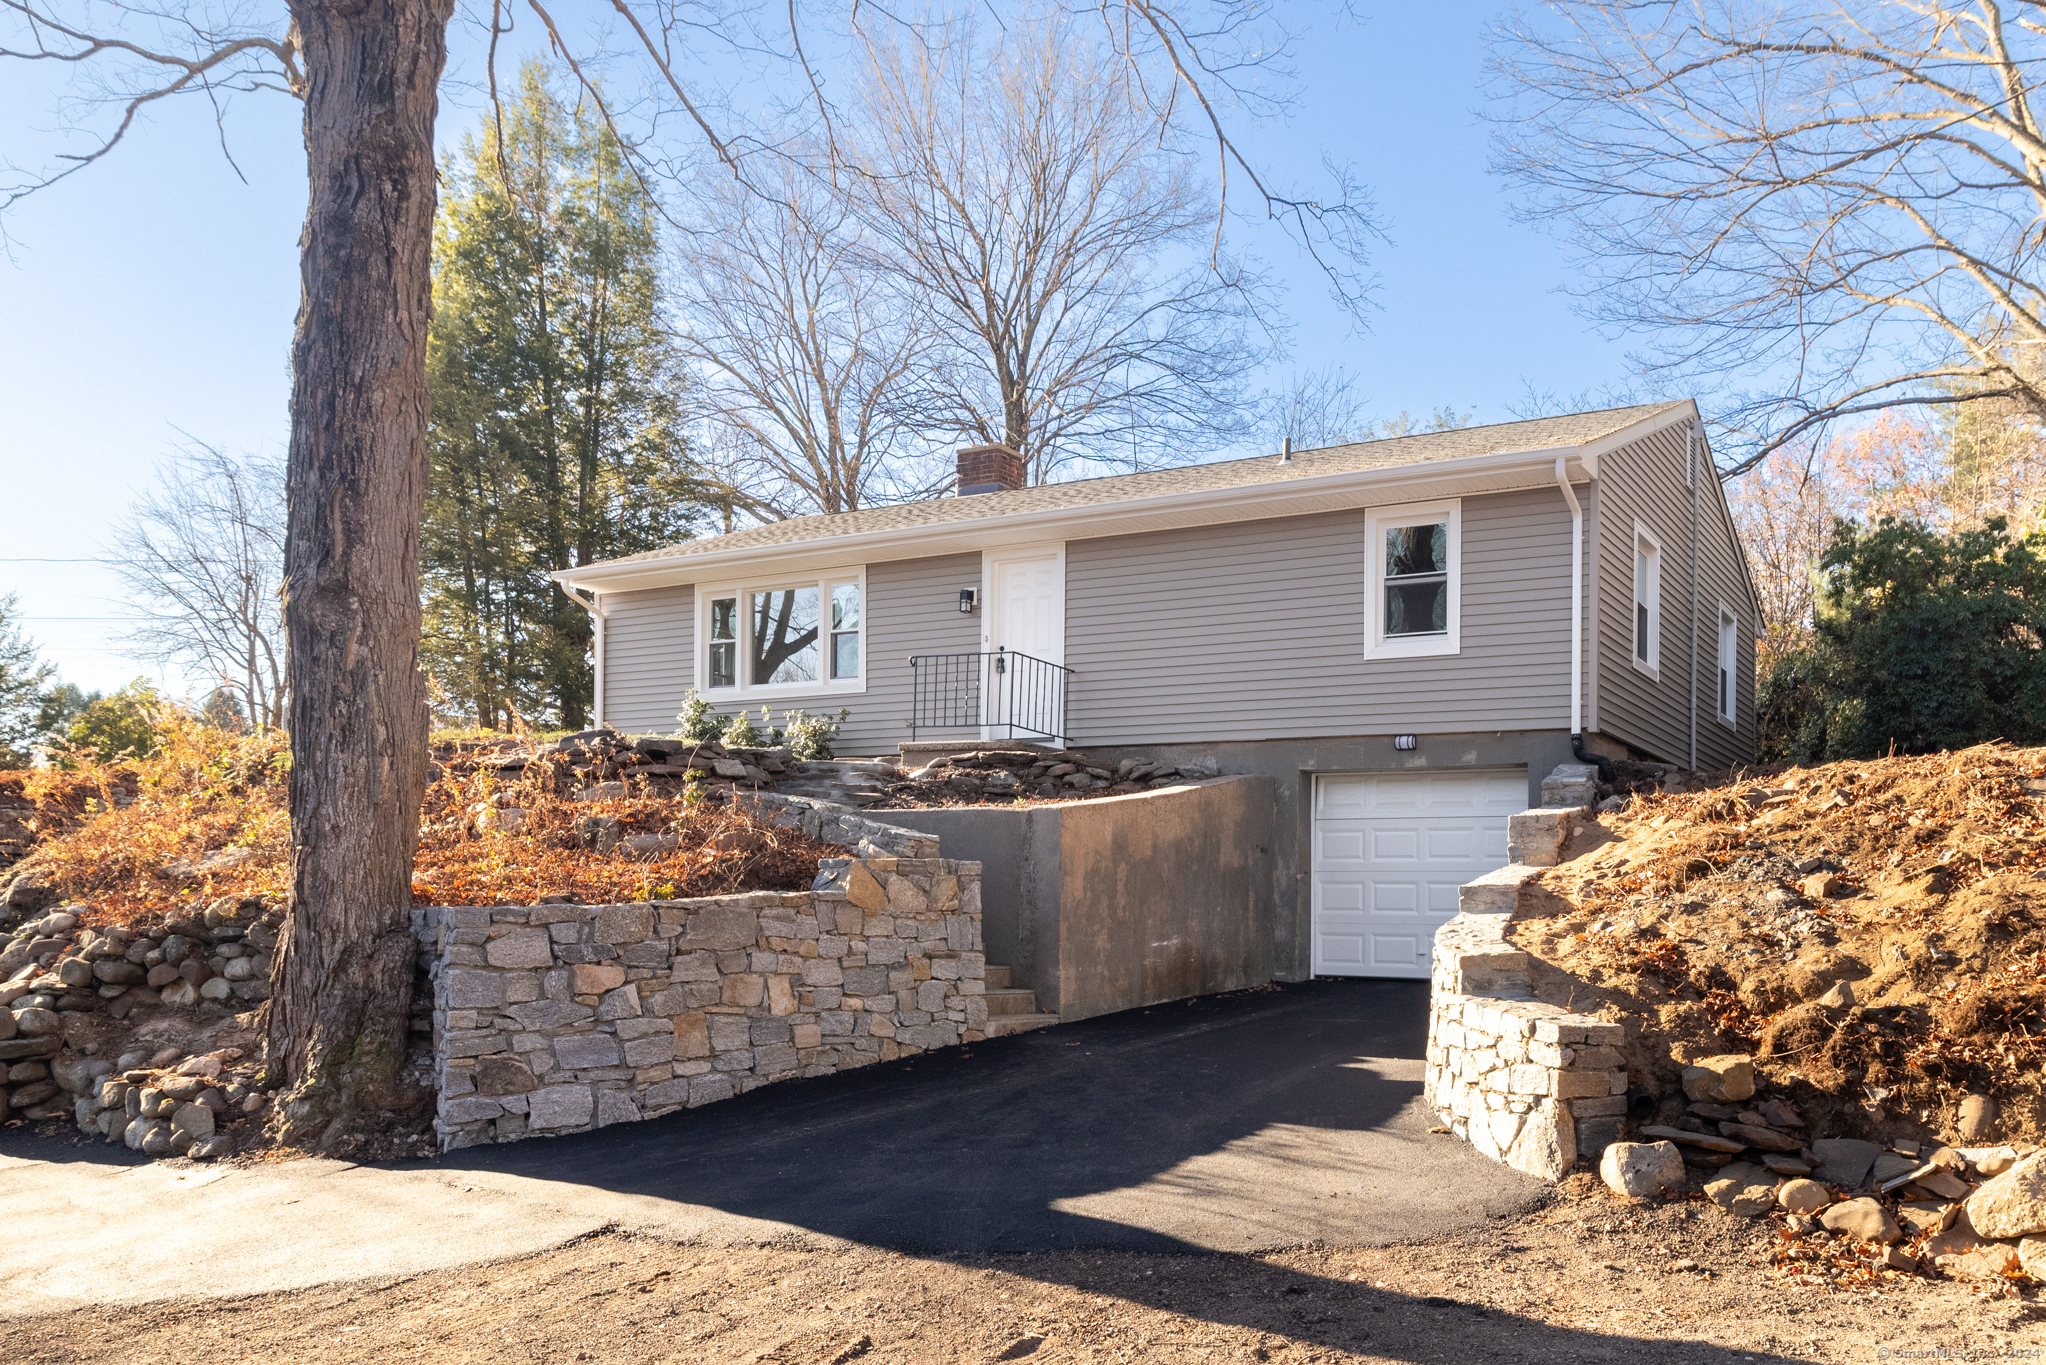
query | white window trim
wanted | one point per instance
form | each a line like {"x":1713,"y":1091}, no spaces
{"x":1653,"y":666}
{"x":1377,"y":522}
{"x":1733,"y":677}
{"x":823,"y":582}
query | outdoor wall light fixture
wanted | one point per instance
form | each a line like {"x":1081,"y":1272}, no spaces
{"x":1405,"y":741}
{"x":967,"y":597}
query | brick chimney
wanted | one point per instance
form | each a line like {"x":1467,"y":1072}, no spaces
{"x":989,"y":469}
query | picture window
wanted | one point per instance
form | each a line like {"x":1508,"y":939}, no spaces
{"x":784,"y":637}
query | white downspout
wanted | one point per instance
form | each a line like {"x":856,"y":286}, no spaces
{"x":1576,"y":598}
{"x":1691,"y":465}
{"x":593,"y":605}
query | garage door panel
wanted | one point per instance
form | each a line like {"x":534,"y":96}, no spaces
{"x":1392,"y":952}
{"x":1341,"y":896}
{"x":1346,"y":950}
{"x":1340,"y":799}
{"x":1340,"y":845}
{"x":1392,"y":898}
{"x":1391,"y":852}
{"x":1389,"y":846}
{"x":1459,"y":844}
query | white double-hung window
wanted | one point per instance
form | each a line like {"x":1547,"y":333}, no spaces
{"x":1729,"y":652}
{"x":1647,"y":600}
{"x":783,"y":637}
{"x":1414,"y":580}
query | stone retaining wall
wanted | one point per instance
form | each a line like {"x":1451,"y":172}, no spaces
{"x":834,"y":825}
{"x":560,"y":1018}
{"x":1526,"y":1083}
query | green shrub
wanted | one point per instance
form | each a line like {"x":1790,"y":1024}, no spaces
{"x":125,"y":724}
{"x":740,"y":734}
{"x":697,"y":721}
{"x":808,"y":736}
{"x":1922,"y":641}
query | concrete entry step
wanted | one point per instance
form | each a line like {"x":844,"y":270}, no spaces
{"x":1011,"y":1008}
{"x":1001,"y":1025}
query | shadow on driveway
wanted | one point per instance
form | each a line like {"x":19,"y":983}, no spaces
{"x":1268,"y":1118}
{"x":1265,"y":1118}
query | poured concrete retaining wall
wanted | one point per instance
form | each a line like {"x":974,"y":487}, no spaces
{"x":559,"y":1018}
{"x":1123,"y":901}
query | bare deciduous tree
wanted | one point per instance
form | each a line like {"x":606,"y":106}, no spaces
{"x":1785,"y":510}
{"x":806,"y":349}
{"x":1048,"y":215}
{"x":368,"y":73}
{"x":1319,"y":408}
{"x":1846,"y":202}
{"x":202,"y":557}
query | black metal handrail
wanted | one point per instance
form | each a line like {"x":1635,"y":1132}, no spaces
{"x":1018,"y":694}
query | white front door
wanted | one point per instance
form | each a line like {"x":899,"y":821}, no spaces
{"x":1025,"y":593}
{"x":1390,"y":851}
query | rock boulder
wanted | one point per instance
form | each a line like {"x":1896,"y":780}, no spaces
{"x":1863,"y":1220}
{"x":1742,"y":1189}
{"x":1720,"y":1080}
{"x":1642,"y":1170}
{"x":2012,"y":1204}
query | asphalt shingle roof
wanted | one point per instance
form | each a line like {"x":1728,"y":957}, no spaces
{"x":1422,"y":448}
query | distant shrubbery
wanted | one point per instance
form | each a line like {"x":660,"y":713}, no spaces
{"x":1920,"y":641}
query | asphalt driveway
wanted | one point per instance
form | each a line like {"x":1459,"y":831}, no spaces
{"x":1262,"y":1119}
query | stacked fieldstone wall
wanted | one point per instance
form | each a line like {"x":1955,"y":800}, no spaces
{"x":1526,"y":1083}
{"x":559,"y":1018}
{"x":834,"y":825}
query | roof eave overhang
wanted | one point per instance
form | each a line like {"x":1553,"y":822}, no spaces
{"x":1497,"y":472}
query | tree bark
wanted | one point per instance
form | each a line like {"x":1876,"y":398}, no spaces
{"x":356,"y":485}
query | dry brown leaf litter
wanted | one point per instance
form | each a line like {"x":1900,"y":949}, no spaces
{"x":1696,"y":920}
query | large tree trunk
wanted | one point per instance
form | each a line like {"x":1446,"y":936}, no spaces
{"x":357,"y":486}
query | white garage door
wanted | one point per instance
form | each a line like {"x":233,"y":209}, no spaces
{"x":1390,"y":851}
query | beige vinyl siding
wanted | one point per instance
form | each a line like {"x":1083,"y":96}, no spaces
{"x":648,"y":637}
{"x":1645,"y":481}
{"x":1256,"y":631}
{"x":912,"y":607}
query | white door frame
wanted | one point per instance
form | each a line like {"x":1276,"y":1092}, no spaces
{"x":1054,"y":550}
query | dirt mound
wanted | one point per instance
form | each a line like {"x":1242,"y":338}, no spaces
{"x":1874,"y":933}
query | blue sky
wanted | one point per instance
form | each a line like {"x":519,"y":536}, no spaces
{"x":149,"y":299}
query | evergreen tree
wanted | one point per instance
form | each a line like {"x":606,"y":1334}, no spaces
{"x":1922,"y":641}
{"x":557,"y":434}
{"x":22,"y":675}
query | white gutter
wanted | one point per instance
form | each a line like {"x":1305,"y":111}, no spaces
{"x":596,"y":610}
{"x":1576,"y":597}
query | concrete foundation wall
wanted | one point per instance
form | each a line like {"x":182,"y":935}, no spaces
{"x":1292,"y":764}
{"x":1125,"y":901}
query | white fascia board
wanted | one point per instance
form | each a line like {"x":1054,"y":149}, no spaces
{"x":1496,"y":472}
{"x":1591,"y":451}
